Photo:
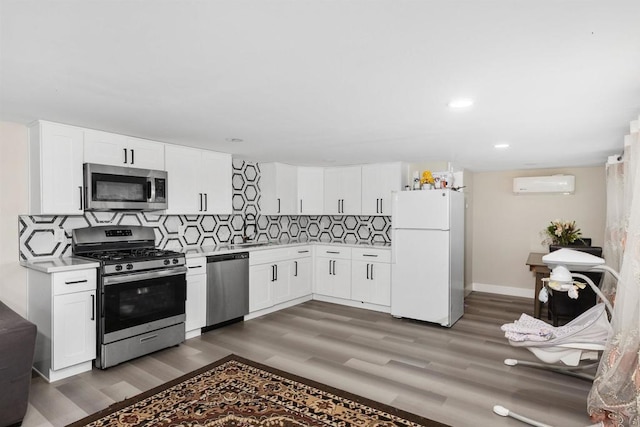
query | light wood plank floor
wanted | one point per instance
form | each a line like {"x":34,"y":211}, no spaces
{"x":454,"y":375}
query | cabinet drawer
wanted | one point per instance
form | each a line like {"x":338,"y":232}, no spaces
{"x":371,"y":255}
{"x":196,"y":265}
{"x":336,"y":252}
{"x":67,"y":282}
{"x":264,"y":256}
{"x":300,"y":252}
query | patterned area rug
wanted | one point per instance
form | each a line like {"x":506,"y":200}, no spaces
{"x":234,"y":392}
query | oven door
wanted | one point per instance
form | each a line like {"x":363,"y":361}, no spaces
{"x":137,"y":303}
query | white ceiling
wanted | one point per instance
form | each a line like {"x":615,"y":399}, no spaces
{"x":334,"y":81}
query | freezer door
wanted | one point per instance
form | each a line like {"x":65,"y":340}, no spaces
{"x":420,"y":276}
{"x":426,"y":209}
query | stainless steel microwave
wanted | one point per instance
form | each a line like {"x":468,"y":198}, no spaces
{"x":119,"y":188}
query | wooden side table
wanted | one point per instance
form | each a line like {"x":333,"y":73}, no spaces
{"x":540,"y":269}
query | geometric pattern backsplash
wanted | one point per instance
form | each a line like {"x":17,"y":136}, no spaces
{"x":37,"y":233}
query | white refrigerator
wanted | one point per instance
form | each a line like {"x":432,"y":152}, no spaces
{"x":427,"y":247}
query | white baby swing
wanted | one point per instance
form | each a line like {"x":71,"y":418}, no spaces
{"x":584,"y":338}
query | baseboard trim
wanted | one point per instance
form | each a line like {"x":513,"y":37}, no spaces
{"x":502,"y":290}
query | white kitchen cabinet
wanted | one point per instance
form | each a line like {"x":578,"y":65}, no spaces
{"x":63,"y":307}
{"x":371,"y":276}
{"x":196,"y":303}
{"x":333,"y":272}
{"x":301,"y":270}
{"x":120,"y":150}
{"x":281,"y":282}
{"x":56,"y":179}
{"x":310,"y":190}
{"x":342,"y":190}
{"x":279,"y":190}
{"x":199,"y":181}
{"x":378,"y":182}
{"x":260,"y":286}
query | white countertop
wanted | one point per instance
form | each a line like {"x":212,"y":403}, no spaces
{"x":197,"y":251}
{"x":55,"y":265}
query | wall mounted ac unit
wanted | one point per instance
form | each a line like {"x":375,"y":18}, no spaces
{"x":544,"y":184}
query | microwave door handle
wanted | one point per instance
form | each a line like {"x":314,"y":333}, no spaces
{"x":150,"y":191}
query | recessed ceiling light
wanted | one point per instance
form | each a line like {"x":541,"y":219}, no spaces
{"x":501,"y":146}
{"x":234,"y":139}
{"x":461,"y":103}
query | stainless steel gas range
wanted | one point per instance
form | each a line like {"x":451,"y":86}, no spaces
{"x":141,"y":291}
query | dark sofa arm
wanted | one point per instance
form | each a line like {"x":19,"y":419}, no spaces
{"x":17,"y":345}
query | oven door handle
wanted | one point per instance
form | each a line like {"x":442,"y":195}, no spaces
{"x":156,"y":274}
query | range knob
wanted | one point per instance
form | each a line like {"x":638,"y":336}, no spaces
{"x":118,"y":267}
{"x":175,"y":260}
{"x":129,"y":266}
{"x":167,"y":262}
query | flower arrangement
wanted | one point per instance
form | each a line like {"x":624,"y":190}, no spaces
{"x":560,"y":232}
{"x":427,"y":178}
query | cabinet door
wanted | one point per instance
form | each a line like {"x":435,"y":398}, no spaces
{"x":310,"y":191}
{"x":260,"y":283}
{"x":333,"y":277}
{"x":215,"y":177}
{"x":60,"y":170}
{"x":279,"y":189}
{"x":300,"y":274}
{"x":371,"y":282}
{"x":196,"y":304}
{"x":106,"y":148}
{"x":184,"y":195}
{"x":145,"y":154}
{"x":332,"y":191}
{"x":74,"y":329}
{"x":351,"y":190}
{"x":378,"y":182}
{"x":282,"y":282}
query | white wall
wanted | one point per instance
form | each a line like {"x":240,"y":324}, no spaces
{"x":14,"y":170}
{"x":506,"y":227}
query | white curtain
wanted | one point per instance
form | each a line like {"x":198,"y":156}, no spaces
{"x":615,"y":395}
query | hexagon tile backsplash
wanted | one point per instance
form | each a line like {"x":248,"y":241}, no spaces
{"x":37,"y":233}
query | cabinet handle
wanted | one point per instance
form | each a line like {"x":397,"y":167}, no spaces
{"x":332,"y":252}
{"x":276,"y":266}
{"x":334,"y":268}
{"x":338,"y":205}
{"x":75,"y":282}
{"x":149,"y":338}
{"x":371,"y":271}
{"x":206,"y":202}
{"x":330,"y":268}
{"x":93,"y":307}
{"x":381,"y":209}
{"x":273,"y":273}
{"x":132,"y":158}
{"x":303,"y":252}
{"x":200,"y":201}
{"x":370,"y":255}
{"x":368,"y":271}
{"x":125,"y":156}
{"x":278,"y":205}
{"x":295,"y":264}
{"x":300,"y":205}
{"x":80,"y":188}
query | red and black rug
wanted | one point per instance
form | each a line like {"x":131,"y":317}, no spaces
{"x":234,"y":392}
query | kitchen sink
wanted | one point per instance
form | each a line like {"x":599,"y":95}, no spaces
{"x":249,"y":245}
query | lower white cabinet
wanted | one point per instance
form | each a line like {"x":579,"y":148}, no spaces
{"x":333,"y":271}
{"x":371,"y":276}
{"x":278,"y":275}
{"x":63,"y":307}
{"x":196,"y":304}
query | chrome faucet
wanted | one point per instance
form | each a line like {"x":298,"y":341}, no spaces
{"x":245,"y":225}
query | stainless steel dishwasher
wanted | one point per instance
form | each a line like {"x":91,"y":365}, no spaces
{"x":227,"y":288}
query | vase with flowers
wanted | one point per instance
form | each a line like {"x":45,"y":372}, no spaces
{"x":563,"y":233}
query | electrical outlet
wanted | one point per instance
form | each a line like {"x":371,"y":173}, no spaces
{"x":58,"y":235}
{"x":181,"y":229}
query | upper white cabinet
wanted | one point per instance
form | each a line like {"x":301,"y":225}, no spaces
{"x":279,"y":189}
{"x":56,"y":153}
{"x":119,"y":150}
{"x":199,"y":181}
{"x":378,"y":181}
{"x":310,"y":191}
{"x":342,"y":190}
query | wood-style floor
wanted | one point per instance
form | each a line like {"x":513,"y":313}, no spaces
{"x":454,"y":375}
